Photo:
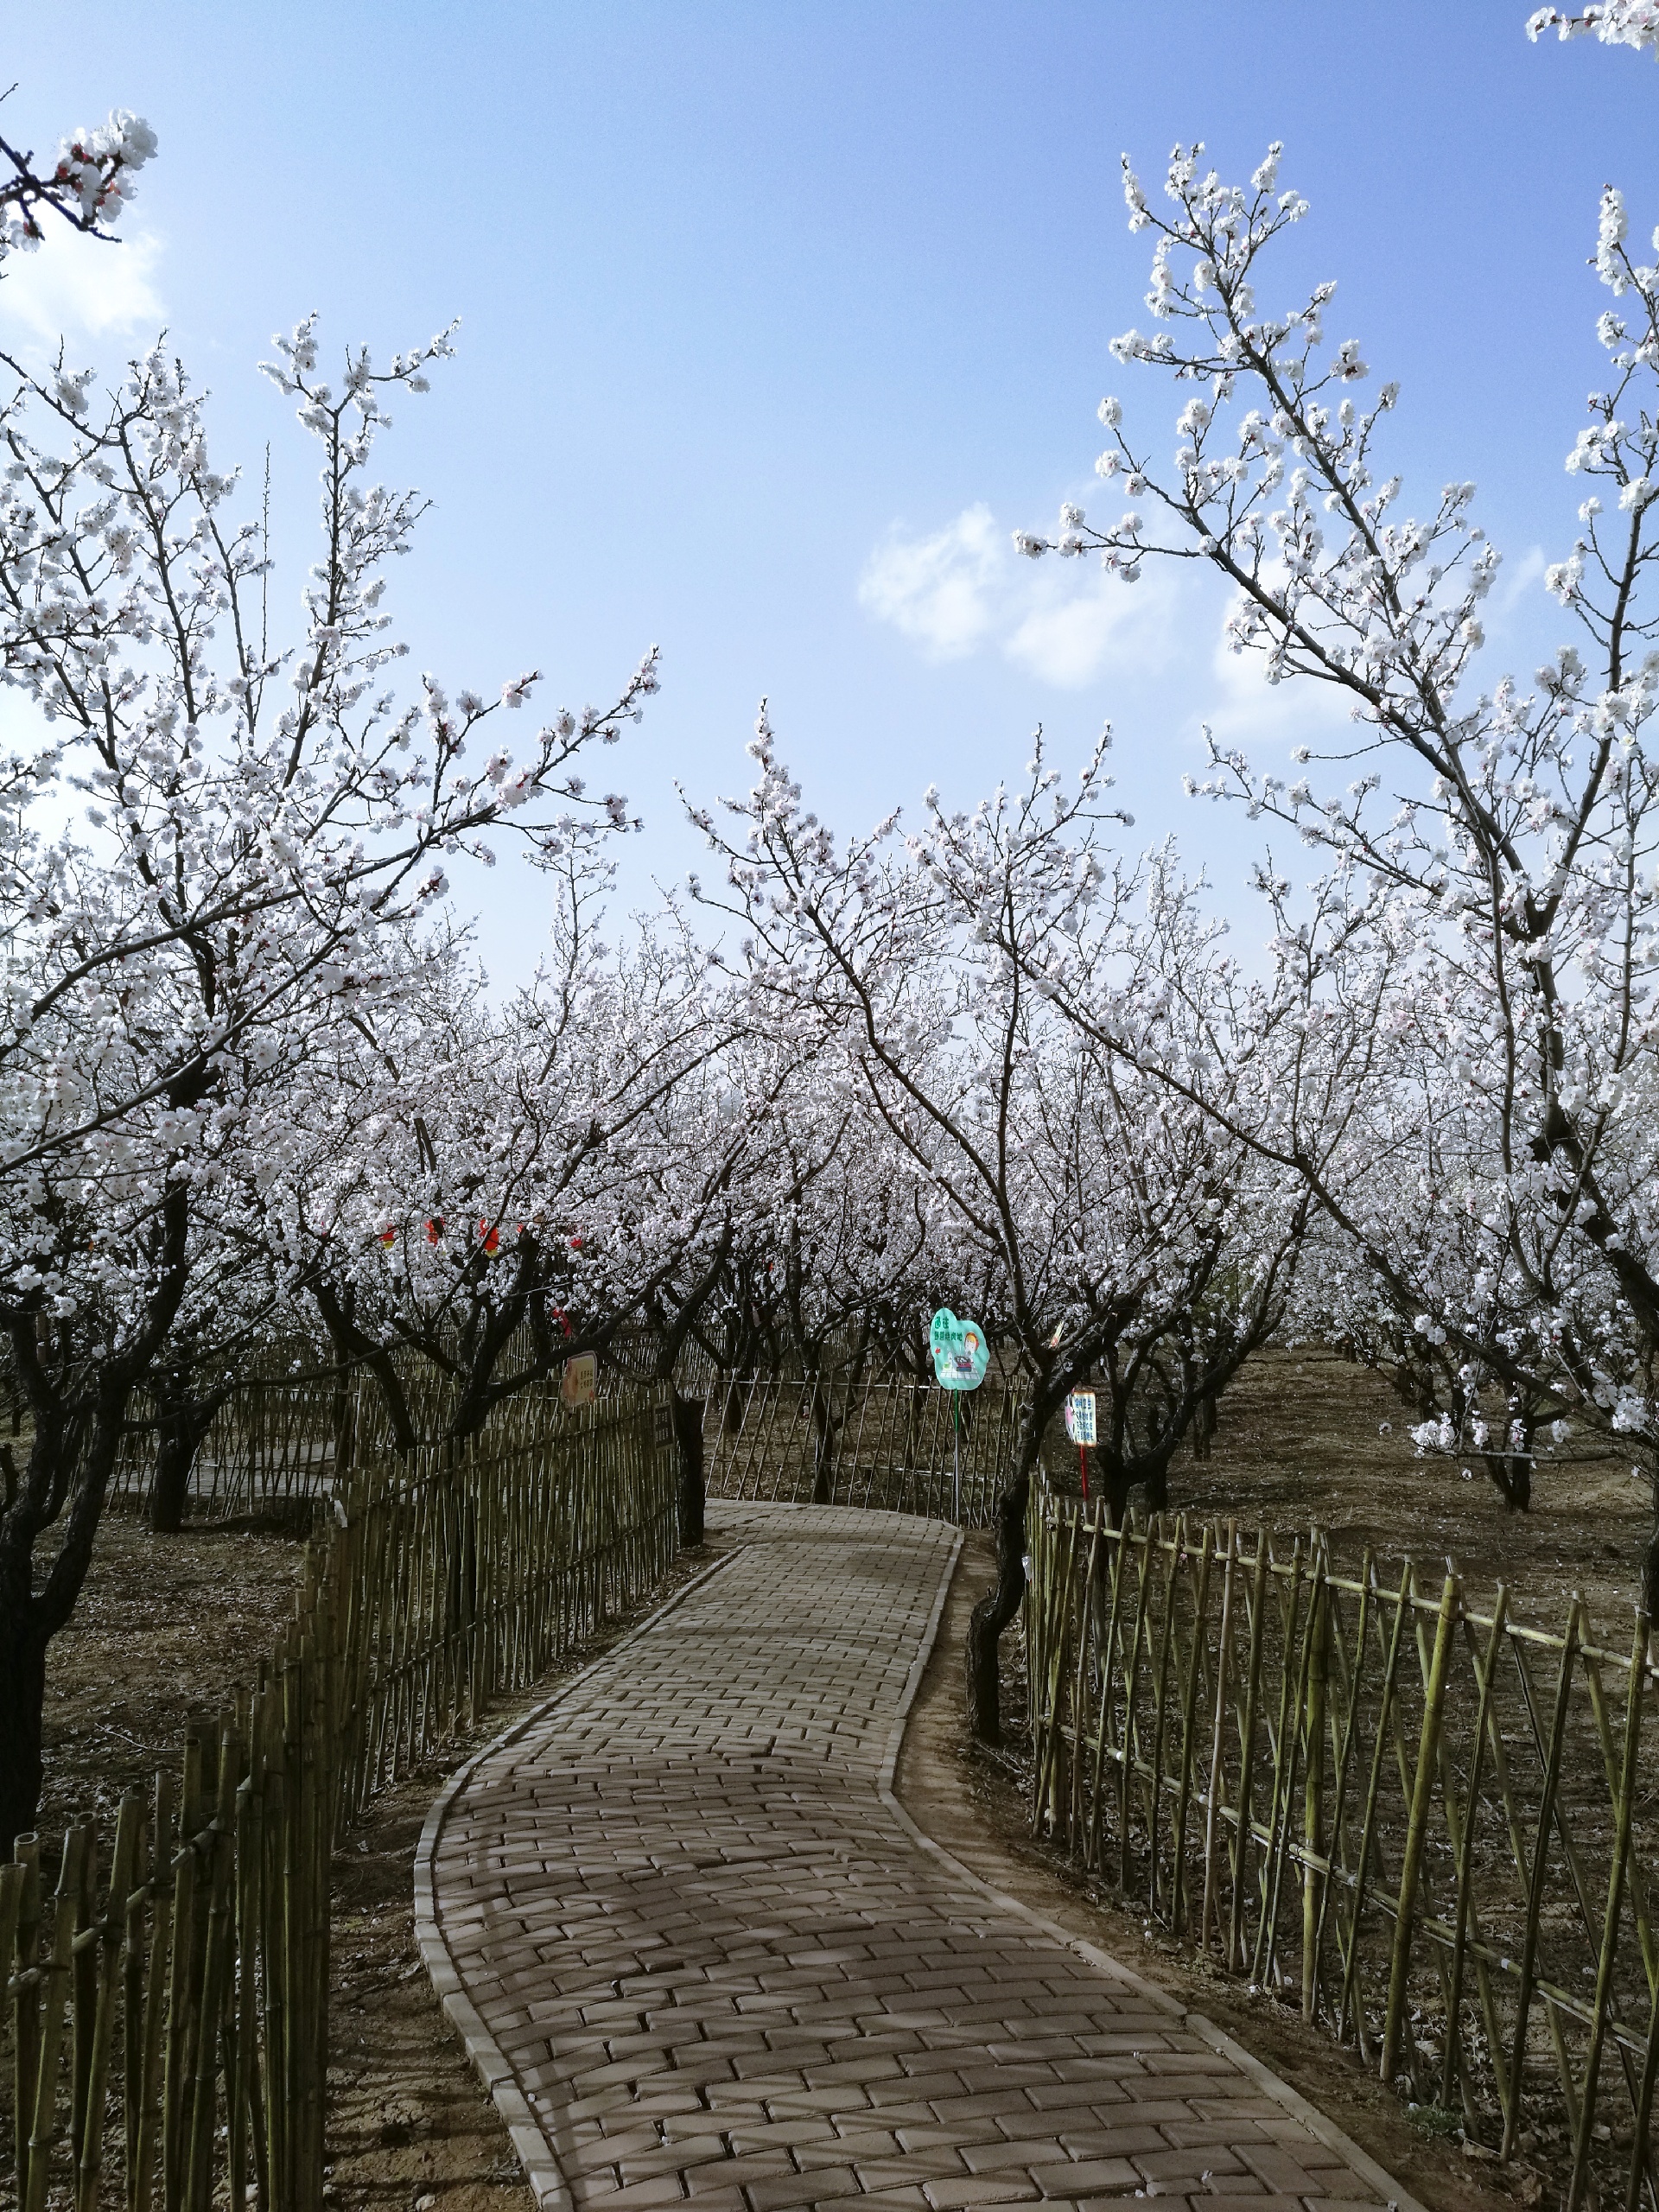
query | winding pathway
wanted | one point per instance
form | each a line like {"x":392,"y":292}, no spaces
{"x":700,"y":1953}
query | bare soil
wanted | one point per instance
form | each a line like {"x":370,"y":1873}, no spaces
{"x":1303,"y":1441}
{"x":165,"y":1627}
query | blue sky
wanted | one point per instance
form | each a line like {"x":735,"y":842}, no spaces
{"x":778,"y":320}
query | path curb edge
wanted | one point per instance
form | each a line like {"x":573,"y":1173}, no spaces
{"x":1327,"y":2130}
{"x":542,"y":2170}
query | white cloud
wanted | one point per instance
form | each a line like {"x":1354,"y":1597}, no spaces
{"x":1516,"y":578}
{"x":1075,"y":632}
{"x":964,"y":589}
{"x":81,"y":289}
{"x":939,"y":592}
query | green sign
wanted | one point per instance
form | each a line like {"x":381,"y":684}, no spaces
{"x":960,"y":1352}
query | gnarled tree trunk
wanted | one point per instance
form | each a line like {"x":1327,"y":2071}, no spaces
{"x":689,"y":1496}
{"x":994,"y":1612}
{"x":181,"y":1423}
{"x":22,"y":1702}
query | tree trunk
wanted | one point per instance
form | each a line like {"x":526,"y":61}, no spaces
{"x":181,"y":1423}
{"x":22,"y":1700}
{"x":687,"y":1447}
{"x":1511,"y":1477}
{"x":1205,"y":1422}
{"x":1650,"y":1561}
{"x":823,"y":1442}
{"x":995,"y":1611}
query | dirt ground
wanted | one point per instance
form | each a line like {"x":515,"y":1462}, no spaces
{"x":166,"y":1626}
{"x":169,"y":1624}
{"x":1302,"y":1441}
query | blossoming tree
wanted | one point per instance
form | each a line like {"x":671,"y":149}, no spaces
{"x":1122,"y":1235}
{"x":214,"y":847}
{"x":1503,"y":836}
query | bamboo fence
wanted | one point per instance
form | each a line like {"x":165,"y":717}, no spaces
{"x":833,"y":1439}
{"x":164,"y":2041}
{"x":282,"y":1440}
{"x":1433,"y":1828}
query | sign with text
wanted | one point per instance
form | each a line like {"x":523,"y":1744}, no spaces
{"x":960,"y":1353}
{"x":579,"y":1384}
{"x":1080,"y":1417}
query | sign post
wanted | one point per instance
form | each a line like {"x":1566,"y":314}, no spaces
{"x":960,"y":1357}
{"x":1080,"y":1428}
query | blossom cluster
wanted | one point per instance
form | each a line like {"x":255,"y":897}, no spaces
{"x":88,"y":185}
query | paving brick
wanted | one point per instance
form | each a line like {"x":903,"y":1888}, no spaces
{"x":1276,"y":2166}
{"x":1085,"y":2177}
{"x":1338,"y":2185}
{"x":775,"y":2192}
{"x":728,"y":1975}
{"x":1202,"y":2158}
{"x":1109,"y":2142}
{"x":1182,"y":2132}
{"x":1013,"y":2188}
{"x":646,"y":2195}
{"x":1024,"y":2150}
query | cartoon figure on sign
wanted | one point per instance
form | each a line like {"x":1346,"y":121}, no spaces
{"x":579,"y":1384}
{"x":959,"y":1351}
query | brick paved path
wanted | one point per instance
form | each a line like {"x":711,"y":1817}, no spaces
{"x":699,"y":1954}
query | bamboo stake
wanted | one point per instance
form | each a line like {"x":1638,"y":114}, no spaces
{"x":1258,"y":1606}
{"x":1189,"y":1716}
{"x":141,"y":2170}
{"x":1466,"y":1851}
{"x":1223,"y":1662}
{"x":1126,"y":1740}
{"x":89,"y":2145}
{"x":1161,"y":1709}
{"x":1284,"y":1782}
{"x":1417,"y":1834}
{"x":1639,"y":2160}
{"x":1540,"y":1869}
{"x":1368,"y":1827}
{"x":55,"y":1980}
{"x":1351,"y":1682}
{"x":1103,"y":1728}
{"x":1075,"y":1815}
{"x":216,"y":1948}
{"x":1316,"y":1674}
{"x":1626,"y":1806}
{"x":26,"y":2002}
{"x":83,"y":1994}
